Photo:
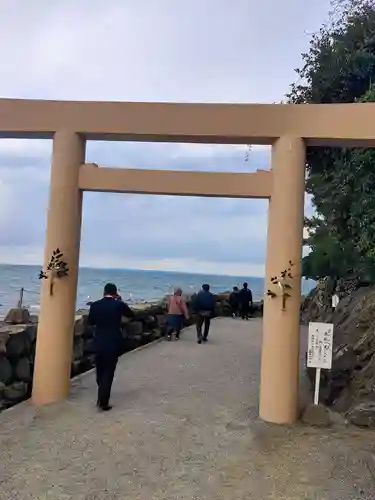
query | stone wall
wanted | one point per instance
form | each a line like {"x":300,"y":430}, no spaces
{"x":18,"y":333}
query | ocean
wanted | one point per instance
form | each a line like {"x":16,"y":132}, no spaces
{"x":134,"y":285}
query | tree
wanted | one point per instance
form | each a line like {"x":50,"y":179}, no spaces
{"x":340,"y":68}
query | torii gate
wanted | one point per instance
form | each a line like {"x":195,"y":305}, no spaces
{"x":288,"y":128}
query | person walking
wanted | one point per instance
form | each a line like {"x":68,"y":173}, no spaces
{"x":177,"y":310}
{"x":204,"y":306}
{"x":106,"y":316}
{"x":245,"y":302}
{"x":234,"y":301}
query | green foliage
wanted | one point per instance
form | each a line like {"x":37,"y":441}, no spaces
{"x":340,"y":68}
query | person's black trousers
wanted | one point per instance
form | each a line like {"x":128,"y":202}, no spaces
{"x":203,"y":320}
{"x":245,"y":311}
{"x":105,"y":371}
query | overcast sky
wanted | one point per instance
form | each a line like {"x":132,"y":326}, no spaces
{"x":145,"y":50}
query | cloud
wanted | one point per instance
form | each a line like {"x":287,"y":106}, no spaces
{"x":198,"y":51}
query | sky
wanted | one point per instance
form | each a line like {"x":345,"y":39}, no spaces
{"x":143,"y":50}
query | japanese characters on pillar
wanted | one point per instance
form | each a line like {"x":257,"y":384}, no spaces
{"x":319,"y":353}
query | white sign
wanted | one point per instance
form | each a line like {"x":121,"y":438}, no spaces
{"x":319,"y":353}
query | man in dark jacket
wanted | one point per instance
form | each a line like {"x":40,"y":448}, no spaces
{"x":106,"y":315}
{"x":204,"y":306}
{"x":245,"y":301}
{"x":234,"y":301}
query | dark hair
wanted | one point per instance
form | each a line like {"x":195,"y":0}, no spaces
{"x":235,"y":288}
{"x":245,"y":285}
{"x":205,"y":287}
{"x":110,"y":289}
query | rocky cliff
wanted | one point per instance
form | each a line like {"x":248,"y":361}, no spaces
{"x":349,"y":387}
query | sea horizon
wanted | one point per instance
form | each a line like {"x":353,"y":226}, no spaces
{"x":135,"y":285}
{"x":137,"y":269}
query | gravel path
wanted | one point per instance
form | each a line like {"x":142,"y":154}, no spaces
{"x":184,"y":427}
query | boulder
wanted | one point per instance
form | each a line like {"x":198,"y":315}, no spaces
{"x":31,"y":331}
{"x":83,"y":312}
{"x":4,"y":336}
{"x":89,"y":346}
{"x":161,"y":320}
{"x":34,"y":319}
{"x":133,"y":329}
{"x":153,"y":310}
{"x":78,"y":348}
{"x":17,"y":316}
{"x":157,"y":333}
{"x":6,"y":371}
{"x":363,"y":415}
{"x":23,"y":370}
{"x":149,"y":322}
{"x":317,"y":416}
{"x":147,"y":337}
{"x":19,"y":342}
{"x":75,"y":367}
{"x":32,"y":352}
{"x":80,"y":325}
{"x":15,"y":392}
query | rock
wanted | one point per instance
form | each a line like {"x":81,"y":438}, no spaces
{"x":75,"y":368}
{"x":317,"y":304}
{"x":153,"y":310}
{"x":32,"y":352}
{"x":134,"y":328}
{"x":157,"y":333}
{"x":4,"y":336}
{"x":22,"y":337}
{"x":89,"y":346}
{"x":15,"y":392}
{"x":343,"y":358}
{"x":338,"y":419}
{"x":82,"y":312}
{"x":17,"y":316}
{"x":5,"y":370}
{"x":23,"y":370}
{"x":363,"y":415}
{"x":148,"y":320}
{"x":147,"y":337}
{"x":31,"y":332}
{"x":78,"y":348}
{"x":317,"y":416}
{"x":90,"y":360}
{"x":351,"y":380}
{"x":34,"y":319}
{"x":161,"y":320}
{"x":19,"y":342}
{"x":80,"y":325}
